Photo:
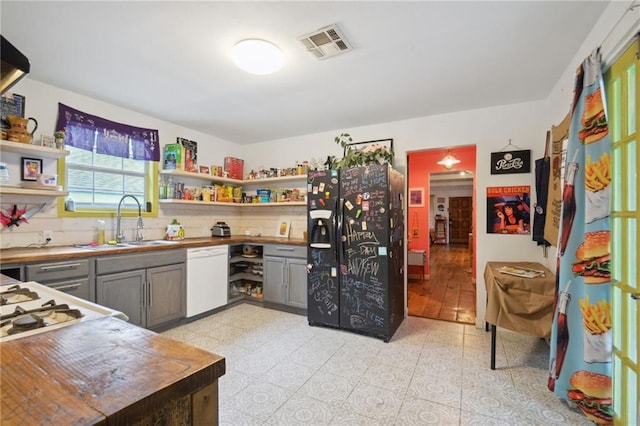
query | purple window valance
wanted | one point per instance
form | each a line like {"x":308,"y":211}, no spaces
{"x":86,"y":131}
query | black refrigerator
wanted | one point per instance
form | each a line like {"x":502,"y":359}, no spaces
{"x":355,"y":253}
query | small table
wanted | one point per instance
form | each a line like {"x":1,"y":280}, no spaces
{"x":523,"y":305}
{"x":417,"y":258}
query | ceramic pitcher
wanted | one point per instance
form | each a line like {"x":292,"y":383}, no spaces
{"x":18,"y":131}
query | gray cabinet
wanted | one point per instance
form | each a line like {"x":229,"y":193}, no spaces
{"x":297,"y":282}
{"x":274,"y":279}
{"x":124,"y":292}
{"x":149,"y":288}
{"x":285,"y":275}
{"x":74,"y":277}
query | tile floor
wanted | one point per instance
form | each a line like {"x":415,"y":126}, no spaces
{"x":281,"y":371}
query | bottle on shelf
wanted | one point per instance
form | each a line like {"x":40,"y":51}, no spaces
{"x":162,"y":187}
{"x":171,"y":190}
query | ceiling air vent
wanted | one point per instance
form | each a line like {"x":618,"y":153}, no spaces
{"x":325,"y":42}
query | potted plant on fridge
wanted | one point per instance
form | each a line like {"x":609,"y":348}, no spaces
{"x":354,"y":157}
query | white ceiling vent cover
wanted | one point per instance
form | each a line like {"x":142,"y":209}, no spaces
{"x":325,"y":42}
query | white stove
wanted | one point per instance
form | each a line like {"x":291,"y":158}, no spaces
{"x":30,"y":308}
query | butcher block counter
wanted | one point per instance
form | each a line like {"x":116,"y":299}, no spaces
{"x":30,"y":254}
{"x":106,"y":371}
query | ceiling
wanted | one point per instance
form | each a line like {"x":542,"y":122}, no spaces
{"x":169,"y":59}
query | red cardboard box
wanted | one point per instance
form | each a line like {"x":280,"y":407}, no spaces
{"x":235,"y":167}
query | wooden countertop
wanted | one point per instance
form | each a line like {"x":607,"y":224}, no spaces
{"x":99,"y":371}
{"x":30,"y":254}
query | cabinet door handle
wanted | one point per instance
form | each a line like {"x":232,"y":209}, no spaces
{"x":150,"y":294}
{"x":635,"y":296}
{"x":143,"y":295}
{"x":66,"y":266}
{"x":284,"y":248}
{"x":71,"y":286}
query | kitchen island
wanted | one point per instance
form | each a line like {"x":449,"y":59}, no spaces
{"x":106,"y":371}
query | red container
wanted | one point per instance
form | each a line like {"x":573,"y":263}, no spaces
{"x":235,"y":167}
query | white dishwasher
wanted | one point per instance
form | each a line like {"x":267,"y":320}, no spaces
{"x":207,"y":278}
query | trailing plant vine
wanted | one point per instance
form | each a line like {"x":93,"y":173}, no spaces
{"x":353,"y":157}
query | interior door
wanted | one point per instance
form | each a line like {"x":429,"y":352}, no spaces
{"x":460,"y":219}
{"x":622,"y":99}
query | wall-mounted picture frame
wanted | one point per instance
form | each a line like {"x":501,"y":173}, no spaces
{"x":284,"y":226}
{"x":508,"y":210}
{"x":205,"y":170}
{"x":416,"y":197}
{"x":31,"y":169}
{"x":47,"y":141}
{"x":511,"y":162}
{"x":10,"y":104}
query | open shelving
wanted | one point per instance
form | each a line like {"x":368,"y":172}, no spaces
{"x":17,"y":190}
{"x":245,"y":274}
{"x":220,"y":179}
{"x":36,"y":151}
{"x":239,"y":182}
{"x":27,"y":148}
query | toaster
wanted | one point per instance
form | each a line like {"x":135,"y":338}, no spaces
{"x":220,"y":229}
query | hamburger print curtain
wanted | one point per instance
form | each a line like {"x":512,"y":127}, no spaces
{"x":580,"y":359}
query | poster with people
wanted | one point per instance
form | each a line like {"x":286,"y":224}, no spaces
{"x":508,"y":210}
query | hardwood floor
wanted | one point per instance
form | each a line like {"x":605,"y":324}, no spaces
{"x":449,"y":293}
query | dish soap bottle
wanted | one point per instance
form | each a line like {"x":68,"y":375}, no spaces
{"x":101,"y":231}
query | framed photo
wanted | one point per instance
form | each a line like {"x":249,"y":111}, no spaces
{"x":31,"y":168}
{"x":284,"y":226}
{"x":508,"y":210}
{"x":10,"y":104}
{"x":416,"y":197}
{"x":205,"y":170}
{"x":48,"y":141}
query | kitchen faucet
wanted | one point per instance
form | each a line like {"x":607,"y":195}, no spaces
{"x":139,"y":224}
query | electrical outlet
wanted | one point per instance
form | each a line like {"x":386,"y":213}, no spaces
{"x":47,"y":237}
{"x":206,"y":231}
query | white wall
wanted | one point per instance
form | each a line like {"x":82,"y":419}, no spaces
{"x":42,"y":104}
{"x":488,"y":128}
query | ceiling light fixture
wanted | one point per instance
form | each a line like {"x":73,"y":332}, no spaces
{"x":448,"y":161}
{"x":257,"y":56}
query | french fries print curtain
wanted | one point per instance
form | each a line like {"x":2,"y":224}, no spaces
{"x":580,"y":359}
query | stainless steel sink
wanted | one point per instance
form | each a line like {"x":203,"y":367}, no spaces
{"x":100,"y":247}
{"x":148,"y":243}
{"x":125,"y":244}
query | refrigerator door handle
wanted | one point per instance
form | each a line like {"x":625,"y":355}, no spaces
{"x":337,"y":222}
{"x":342,"y":229}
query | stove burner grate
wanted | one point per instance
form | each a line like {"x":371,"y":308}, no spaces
{"x":16,"y":294}
{"x":21,"y":320}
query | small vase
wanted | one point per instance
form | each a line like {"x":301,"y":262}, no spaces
{"x":60,"y":143}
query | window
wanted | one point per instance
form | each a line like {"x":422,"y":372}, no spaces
{"x":99,"y":180}
{"x":106,"y":161}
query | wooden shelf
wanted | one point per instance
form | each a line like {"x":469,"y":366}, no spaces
{"x":243,"y":205}
{"x":275,"y":179}
{"x":200,"y":203}
{"x":16,"y":190}
{"x":37,"y":150}
{"x":200,"y":176}
{"x":210,"y":178}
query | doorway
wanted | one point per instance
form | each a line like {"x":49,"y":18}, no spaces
{"x":446,"y":288}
